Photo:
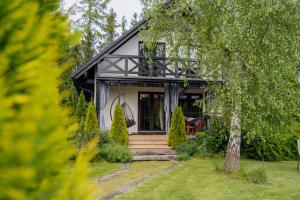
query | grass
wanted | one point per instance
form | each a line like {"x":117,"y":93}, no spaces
{"x":103,"y":168}
{"x":136,"y":171}
{"x":197,"y":179}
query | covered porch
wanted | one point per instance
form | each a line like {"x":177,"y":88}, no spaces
{"x":150,"y":101}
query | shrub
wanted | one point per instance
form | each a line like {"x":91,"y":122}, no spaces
{"x":257,"y":176}
{"x":118,"y":131}
{"x":104,"y":138}
{"x":216,"y":138}
{"x":187,"y":148}
{"x":116,"y":153}
{"x":274,"y":147}
{"x":34,"y":149}
{"x":183,"y":157}
{"x":200,"y":138}
{"x":81,"y":108}
{"x":91,"y":127}
{"x":177,"y":132}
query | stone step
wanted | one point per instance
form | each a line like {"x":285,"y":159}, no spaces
{"x":153,"y":152}
{"x":147,"y":142}
{"x":148,"y":146}
{"x":153,"y":157}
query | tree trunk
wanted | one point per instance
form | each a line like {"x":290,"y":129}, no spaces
{"x":232,"y":159}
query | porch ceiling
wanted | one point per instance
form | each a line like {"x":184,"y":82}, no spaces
{"x":152,"y":81}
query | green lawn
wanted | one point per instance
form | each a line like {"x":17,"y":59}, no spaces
{"x":136,"y":171}
{"x":197,"y":179}
{"x":100,"y":169}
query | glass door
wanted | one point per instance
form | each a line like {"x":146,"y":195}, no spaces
{"x":151,"y":112}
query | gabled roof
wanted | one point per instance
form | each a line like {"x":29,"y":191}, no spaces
{"x":109,"y":49}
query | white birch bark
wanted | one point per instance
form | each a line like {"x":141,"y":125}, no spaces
{"x":232,"y":159}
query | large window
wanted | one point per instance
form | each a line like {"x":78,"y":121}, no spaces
{"x":151,"y":112}
{"x":188,"y":105}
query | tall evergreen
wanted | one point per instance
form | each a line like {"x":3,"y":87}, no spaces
{"x":118,"y":131}
{"x":134,"y":19}
{"x":91,"y":126}
{"x":92,"y":16}
{"x":33,"y":127}
{"x":110,"y":27}
{"x":177,"y":132}
{"x":123,"y":25}
{"x":81,"y":109}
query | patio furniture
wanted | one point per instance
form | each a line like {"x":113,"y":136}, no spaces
{"x":298,"y":144}
{"x":194,"y":125}
{"x":128,"y":114}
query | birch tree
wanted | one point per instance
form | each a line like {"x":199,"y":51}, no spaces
{"x":249,"y":52}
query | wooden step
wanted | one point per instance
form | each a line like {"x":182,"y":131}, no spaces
{"x":150,"y":146}
{"x":147,"y":142}
{"x":148,"y":137}
{"x":153,"y":152}
{"x":153,"y":157}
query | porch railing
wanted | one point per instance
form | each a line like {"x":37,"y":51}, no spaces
{"x":130,"y":65}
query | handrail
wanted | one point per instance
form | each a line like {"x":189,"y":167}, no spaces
{"x":126,"y":65}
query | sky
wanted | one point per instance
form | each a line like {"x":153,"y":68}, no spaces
{"x":122,"y":7}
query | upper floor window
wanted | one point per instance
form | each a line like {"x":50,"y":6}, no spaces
{"x":158,"y":52}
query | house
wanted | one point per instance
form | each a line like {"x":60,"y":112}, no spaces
{"x":147,"y":91}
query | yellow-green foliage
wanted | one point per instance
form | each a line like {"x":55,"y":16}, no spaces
{"x":177,"y":132}
{"x":81,"y":108}
{"x":91,"y":127}
{"x":118,"y":131}
{"x":33,"y":127}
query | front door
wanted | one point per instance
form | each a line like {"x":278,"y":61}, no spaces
{"x":151,"y":113}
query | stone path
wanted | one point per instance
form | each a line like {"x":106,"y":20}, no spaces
{"x":134,"y":184}
{"x":110,"y":176}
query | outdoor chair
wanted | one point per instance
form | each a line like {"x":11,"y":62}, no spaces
{"x":298,"y":144}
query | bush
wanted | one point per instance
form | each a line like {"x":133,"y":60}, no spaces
{"x":104,"y":138}
{"x":183,"y":157}
{"x":113,"y":152}
{"x":200,"y":138}
{"x":187,"y":148}
{"x":91,"y":127}
{"x":269,"y":147}
{"x":177,"y":132}
{"x":81,"y":108}
{"x":118,"y":131}
{"x":257,"y":176}
{"x":216,"y":138}
{"x":274,"y":147}
{"x":34,"y":128}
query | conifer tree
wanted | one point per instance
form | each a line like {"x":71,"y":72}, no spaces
{"x":110,"y":27}
{"x":81,"y":108}
{"x":134,"y":19}
{"x":177,"y":133}
{"x":33,"y":126}
{"x":118,"y":131}
{"x":123,"y":25}
{"x":91,"y":21}
{"x":91,"y":127}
